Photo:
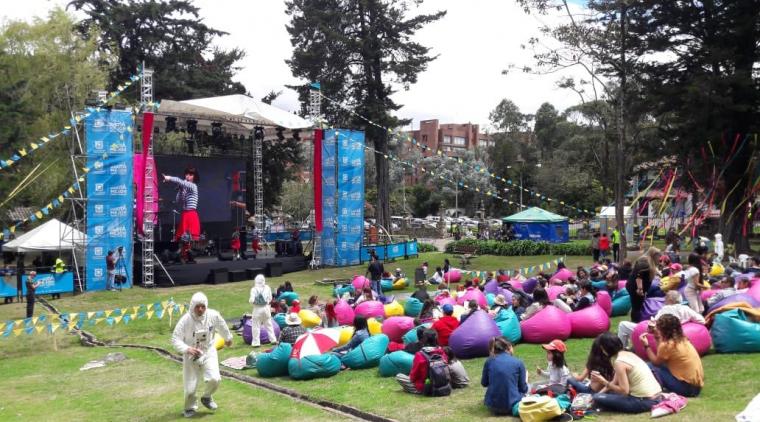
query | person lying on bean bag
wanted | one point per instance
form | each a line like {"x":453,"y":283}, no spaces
{"x":361,"y":333}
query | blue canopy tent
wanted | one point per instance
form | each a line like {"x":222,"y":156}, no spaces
{"x":539,"y":225}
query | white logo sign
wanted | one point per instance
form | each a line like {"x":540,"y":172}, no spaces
{"x":119,"y":231}
{"x":98,"y":188}
{"x":98,"y":251}
{"x":120,"y":169}
{"x":98,"y":145}
{"x":98,"y":273}
{"x":99,"y":210}
{"x":118,"y":147}
{"x":118,"y":211}
{"x":99,"y":230}
{"x":118,"y":190}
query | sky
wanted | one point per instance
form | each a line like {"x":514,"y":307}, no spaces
{"x":475,"y":42}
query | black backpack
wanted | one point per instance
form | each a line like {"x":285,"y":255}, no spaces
{"x":438,"y":381}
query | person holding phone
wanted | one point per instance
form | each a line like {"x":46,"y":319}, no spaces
{"x":643,"y":273}
{"x":31,"y":287}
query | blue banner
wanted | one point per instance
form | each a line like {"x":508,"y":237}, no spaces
{"x":329,"y":202}
{"x":51,"y":283}
{"x":8,"y":285}
{"x":390,"y":251}
{"x":110,"y":194}
{"x":304,"y":235}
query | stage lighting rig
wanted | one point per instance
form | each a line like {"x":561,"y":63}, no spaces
{"x":296,"y":135}
{"x":192,"y":126}
{"x":280,"y":135}
{"x":258,"y":133}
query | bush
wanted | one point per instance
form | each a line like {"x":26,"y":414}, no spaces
{"x":426,"y":247}
{"x":521,"y":247}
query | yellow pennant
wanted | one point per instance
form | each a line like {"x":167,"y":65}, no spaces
{"x":134,"y":309}
{"x":34,"y":320}
{"x":2,"y":326}
{"x":149,"y":314}
{"x":117,"y":319}
{"x":54,"y":326}
{"x":49,"y":206}
{"x":60,"y":198}
{"x":38,"y":214}
{"x":164,"y":304}
{"x":39,"y":328}
{"x":99,"y":320}
{"x":90,"y":315}
{"x":71,"y":189}
{"x":17,"y":331}
{"x":22,"y":152}
{"x":108,"y":313}
{"x":34,"y":146}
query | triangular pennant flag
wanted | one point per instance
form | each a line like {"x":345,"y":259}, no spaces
{"x":39,"y":328}
{"x":17,"y":331}
{"x":117,"y":319}
{"x":98,"y":320}
{"x":127,"y":318}
{"x":90,"y":315}
{"x":107,"y":313}
{"x":29,"y":330}
{"x":149,"y":314}
{"x":109,"y":321}
{"x":54,"y":326}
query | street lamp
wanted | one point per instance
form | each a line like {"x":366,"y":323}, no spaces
{"x":522,"y":167}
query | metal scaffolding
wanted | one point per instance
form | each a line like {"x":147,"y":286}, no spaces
{"x":149,"y":196}
{"x":315,"y":112}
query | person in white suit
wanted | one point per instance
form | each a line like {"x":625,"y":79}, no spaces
{"x":718,"y":248}
{"x":261,"y":297}
{"x":194,"y":338}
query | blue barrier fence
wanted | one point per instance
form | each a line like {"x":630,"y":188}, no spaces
{"x":390,"y":251}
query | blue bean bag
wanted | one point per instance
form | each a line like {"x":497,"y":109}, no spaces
{"x":411,"y":335}
{"x":471,"y":339}
{"x":386,"y":284}
{"x":733,"y":332}
{"x":509,"y":325}
{"x":394,"y":363}
{"x":280,"y":320}
{"x":274,"y":363}
{"x":367,"y":354}
{"x":288,"y":296}
{"x":314,"y":366}
{"x":412,"y":307}
{"x":621,"y":304}
{"x":489,"y":299}
{"x":340,"y":291}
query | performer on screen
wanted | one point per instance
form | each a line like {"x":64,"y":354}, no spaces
{"x":187,"y":197}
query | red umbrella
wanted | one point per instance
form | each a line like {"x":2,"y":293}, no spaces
{"x":315,"y":342}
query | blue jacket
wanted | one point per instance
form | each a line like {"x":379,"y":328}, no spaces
{"x":356,"y":340}
{"x":504,"y":376}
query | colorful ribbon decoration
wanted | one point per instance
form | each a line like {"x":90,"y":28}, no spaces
{"x":524,"y":271}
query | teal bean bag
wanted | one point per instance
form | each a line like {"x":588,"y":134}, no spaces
{"x":411,"y":335}
{"x":340,"y":291}
{"x":621,"y":304}
{"x":733,"y":332}
{"x":394,"y":363}
{"x":367,"y":354}
{"x":288,"y":296}
{"x":599,"y":284}
{"x":274,"y":363}
{"x":490,"y":299}
{"x":386,"y":284}
{"x":509,"y":325}
{"x":412,"y":307}
{"x":314,"y":366}
{"x":280,"y":320}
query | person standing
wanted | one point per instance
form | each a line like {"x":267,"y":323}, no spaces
{"x":111,"y":260}
{"x":615,"y":244}
{"x":638,"y":284}
{"x":193,"y":337}
{"x":375,"y":271}
{"x":261,"y":296}
{"x":31,"y":287}
{"x":604,"y":246}
{"x":187,"y":198}
{"x":595,"y":246}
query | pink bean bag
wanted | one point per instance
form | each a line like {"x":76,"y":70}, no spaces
{"x":445,"y":299}
{"x":395,"y":327}
{"x":516,"y":284}
{"x":563,"y":274}
{"x":604,"y":300}
{"x":371,"y":309}
{"x":554,"y":291}
{"x":589,"y":322}
{"x":473,"y":294}
{"x":754,"y":291}
{"x":556,"y":282}
{"x":453,"y":276}
{"x":344,"y":312}
{"x":545,"y":326}
{"x":697,"y":334}
{"x":621,"y":284}
{"x":360,"y":282}
{"x":708,"y":294}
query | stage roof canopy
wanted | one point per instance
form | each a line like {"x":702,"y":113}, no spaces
{"x":51,"y":236}
{"x":246,"y":107}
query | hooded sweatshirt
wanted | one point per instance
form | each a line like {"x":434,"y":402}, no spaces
{"x":198,"y":331}
{"x":260,"y":287}
{"x":419,"y":372}
{"x":444,"y":327}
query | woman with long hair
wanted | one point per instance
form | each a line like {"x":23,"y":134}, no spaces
{"x":361,"y":333}
{"x":540,"y":301}
{"x":643,"y":273}
{"x":596,"y":362}
{"x":504,"y":378}
{"x":694,"y":282}
{"x":676,"y":365}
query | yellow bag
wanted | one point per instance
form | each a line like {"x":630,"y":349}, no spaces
{"x":538,"y":408}
{"x":394,"y":309}
{"x":375,"y":327}
{"x":346,"y":332}
{"x":309,"y":319}
{"x":717,"y":270}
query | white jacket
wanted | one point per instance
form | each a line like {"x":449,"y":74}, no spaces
{"x":260,"y":287}
{"x":191,"y":329}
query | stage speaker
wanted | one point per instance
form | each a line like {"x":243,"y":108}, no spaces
{"x":236,"y":275}
{"x":217,"y":276}
{"x":280,"y":247}
{"x":251,"y":273}
{"x":274,"y":269}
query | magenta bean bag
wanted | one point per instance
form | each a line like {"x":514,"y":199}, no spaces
{"x":652,"y":305}
{"x":360,"y":282}
{"x":529,"y":285}
{"x":395,"y":327}
{"x":621,"y":284}
{"x":604,"y":300}
{"x":697,"y":334}
{"x":473,"y":294}
{"x":564,"y":274}
{"x":371,"y":309}
{"x":545,"y":326}
{"x":754,"y":291}
{"x":554,"y":291}
{"x":492,"y":287}
{"x":589,"y":322}
{"x":707,"y":294}
{"x":445,"y":299}
{"x":471,"y":339}
{"x":741,"y":297}
{"x":344,"y":312}
{"x":516,"y":284}
{"x":453,"y":276}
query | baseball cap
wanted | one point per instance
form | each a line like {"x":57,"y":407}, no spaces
{"x":557,"y":345}
{"x":448,"y":309}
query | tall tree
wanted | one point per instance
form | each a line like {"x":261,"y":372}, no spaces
{"x":546,"y":129}
{"x":360,"y":51}
{"x":459,"y":182}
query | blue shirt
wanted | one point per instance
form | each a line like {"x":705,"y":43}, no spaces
{"x":356,"y":340}
{"x":504,"y":376}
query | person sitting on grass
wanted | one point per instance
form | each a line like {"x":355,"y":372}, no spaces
{"x":586,"y":297}
{"x":287,"y":287}
{"x":437,"y":277}
{"x":361,"y":333}
{"x":596,"y":362}
{"x":459,"y":377}
{"x":416,"y":381}
{"x":429,"y":312}
{"x":416,"y":346}
{"x":556,"y":371}
{"x":504,"y":378}
{"x":676,"y":365}
{"x":293,"y":329}
{"x":445,"y":325}
{"x":331,"y":318}
{"x":673,"y":306}
{"x":540,"y":301}
{"x":472,"y":306}
{"x":314,"y":306}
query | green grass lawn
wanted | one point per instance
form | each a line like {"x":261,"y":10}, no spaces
{"x":30,"y":361}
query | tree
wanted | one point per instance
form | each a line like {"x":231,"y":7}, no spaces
{"x":546,"y":129}
{"x":360,"y":50}
{"x":296,"y":199}
{"x":506,"y":117}
{"x":170,"y":38}
{"x":456,"y":177}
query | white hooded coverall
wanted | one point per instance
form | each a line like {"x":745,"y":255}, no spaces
{"x":198,"y":332}
{"x":718,"y":247}
{"x":261,"y":315}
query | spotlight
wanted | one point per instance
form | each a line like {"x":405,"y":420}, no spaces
{"x":192,"y":126}
{"x":258,"y":133}
{"x":171,"y":124}
{"x":296,"y":134}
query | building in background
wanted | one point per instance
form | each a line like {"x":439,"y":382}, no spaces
{"x":451,"y":138}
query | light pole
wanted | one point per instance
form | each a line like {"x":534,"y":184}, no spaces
{"x":522,"y":167}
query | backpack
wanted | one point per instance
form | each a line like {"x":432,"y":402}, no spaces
{"x":259,"y":299}
{"x":438,"y":381}
{"x":538,"y":408}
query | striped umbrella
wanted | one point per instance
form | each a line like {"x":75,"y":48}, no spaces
{"x":315,"y":342}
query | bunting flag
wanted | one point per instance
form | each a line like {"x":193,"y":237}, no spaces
{"x":524,"y":271}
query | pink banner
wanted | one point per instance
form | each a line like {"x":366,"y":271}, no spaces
{"x":141,"y":162}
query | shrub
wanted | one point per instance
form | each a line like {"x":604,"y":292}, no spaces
{"x":521,"y":247}
{"x":426,"y":247}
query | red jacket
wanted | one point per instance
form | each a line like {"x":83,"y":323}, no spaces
{"x":604,"y":243}
{"x":419,"y":372}
{"x":444,"y":327}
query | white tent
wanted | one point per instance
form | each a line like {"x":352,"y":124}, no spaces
{"x":609,"y":212}
{"x":51,"y":236}
{"x":245,"y":106}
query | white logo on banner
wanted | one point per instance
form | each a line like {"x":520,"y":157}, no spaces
{"x":344,"y":161}
{"x":118,"y":147}
{"x":329,"y":162}
{"x":344,"y":227}
{"x":98,"y":123}
{"x":98,"y":145}
{"x":98,"y":272}
{"x":344,"y":195}
{"x":117,"y":126}
{"x":98,"y":165}
{"x":118,"y":190}
{"x":356,"y":180}
{"x":118,"y":211}
{"x":355,"y":229}
{"x":45,"y":280}
{"x":98,"y":251}
{"x":356,"y":162}
{"x":119,"y":231}
{"x":330,"y":181}
{"x":343,"y":246}
{"x":356,"y":196}
{"x":329,"y":202}
{"x":120,"y":169}
{"x":98,"y":188}
{"x":99,"y":230}
{"x":344,"y":212}
{"x":356,"y":213}
{"x":99,"y":210}
{"x":344,"y":178}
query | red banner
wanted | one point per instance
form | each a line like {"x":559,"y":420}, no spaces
{"x":139,"y":173}
{"x":317,"y":179}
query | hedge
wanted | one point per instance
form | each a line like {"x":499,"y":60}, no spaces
{"x":426,"y":247}
{"x":522,"y":247}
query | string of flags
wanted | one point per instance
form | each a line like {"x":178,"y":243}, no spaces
{"x":479,"y":169}
{"x":524,"y":271}
{"x":49,"y":324}
{"x":73,"y":122}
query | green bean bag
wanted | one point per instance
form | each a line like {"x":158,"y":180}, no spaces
{"x":621,"y":304}
{"x":367,"y":354}
{"x":274,"y":363}
{"x":386,"y":284}
{"x":394,"y":363}
{"x":314,"y":366}
{"x":340,"y":291}
{"x":509,"y":325}
{"x":412,"y":307}
{"x":733,"y":332}
{"x":411,"y":335}
{"x":288,"y":296}
{"x":280,"y":320}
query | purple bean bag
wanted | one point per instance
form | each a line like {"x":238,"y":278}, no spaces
{"x":697,"y":334}
{"x":371,"y":309}
{"x":492,"y":287}
{"x":472,"y":294}
{"x":741,"y":297}
{"x":395,"y":327}
{"x":554,"y":291}
{"x":344,"y":312}
{"x":263,"y":336}
{"x":546,"y":325}
{"x":754,"y":291}
{"x":360,"y":282}
{"x":471,"y":339}
{"x":652,"y":305}
{"x":589,"y":322}
{"x":453,"y":276}
{"x":604,"y":300}
{"x":529,"y":285}
{"x":445,"y":299}
{"x":564,"y":274}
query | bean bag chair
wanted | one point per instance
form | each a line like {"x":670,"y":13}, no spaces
{"x":393,"y":309}
{"x":314,"y":366}
{"x":444,"y":300}
{"x":394,"y":363}
{"x":564,"y":274}
{"x":604,"y":300}
{"x":386,"y":284}
{"x":359,"y":282}
{"x":412,"y":307}
{"x":472,"y":294}
{"x":599,"y":284}
{"x":471,"y":339}
{"x":707,"y":294}
{"x":309,"y":319}
{"x":733,"y":332}
{"x":492,"y":287}
{"x":375,"y":327}
{"x":346,"y":332}
{"x":754,"y":291}
{"x":554,"y":291}
{"x":274,"y":363}
{"x":367,"y":354}
{"x":546,"y":325}
{"x":399,"y":284}
{"x":452,"y":276}
{"x":288,"y":296}
{"x":395,"y":327}
{"x":489,"y":299}
{"x":280,"y":320}
{"x":741,"y":297}
{"x":370,"y":309}
{"x":697,"y":334}
{"x":716,"y":270}
{"x":340,"y":291}
{"x":516,"y":284}
{"x":263,"y":336}
{"x":509,"y":325}
{"x":529,"y":285}
{"x":344,"y":312}
{"x":621,"y":305}
{"x":411,"y":335}
{"x":652,"y":305}
{"x":589,"y":322}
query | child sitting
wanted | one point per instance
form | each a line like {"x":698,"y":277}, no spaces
{"x":556,"y":369}
{"x":459,"y":378}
